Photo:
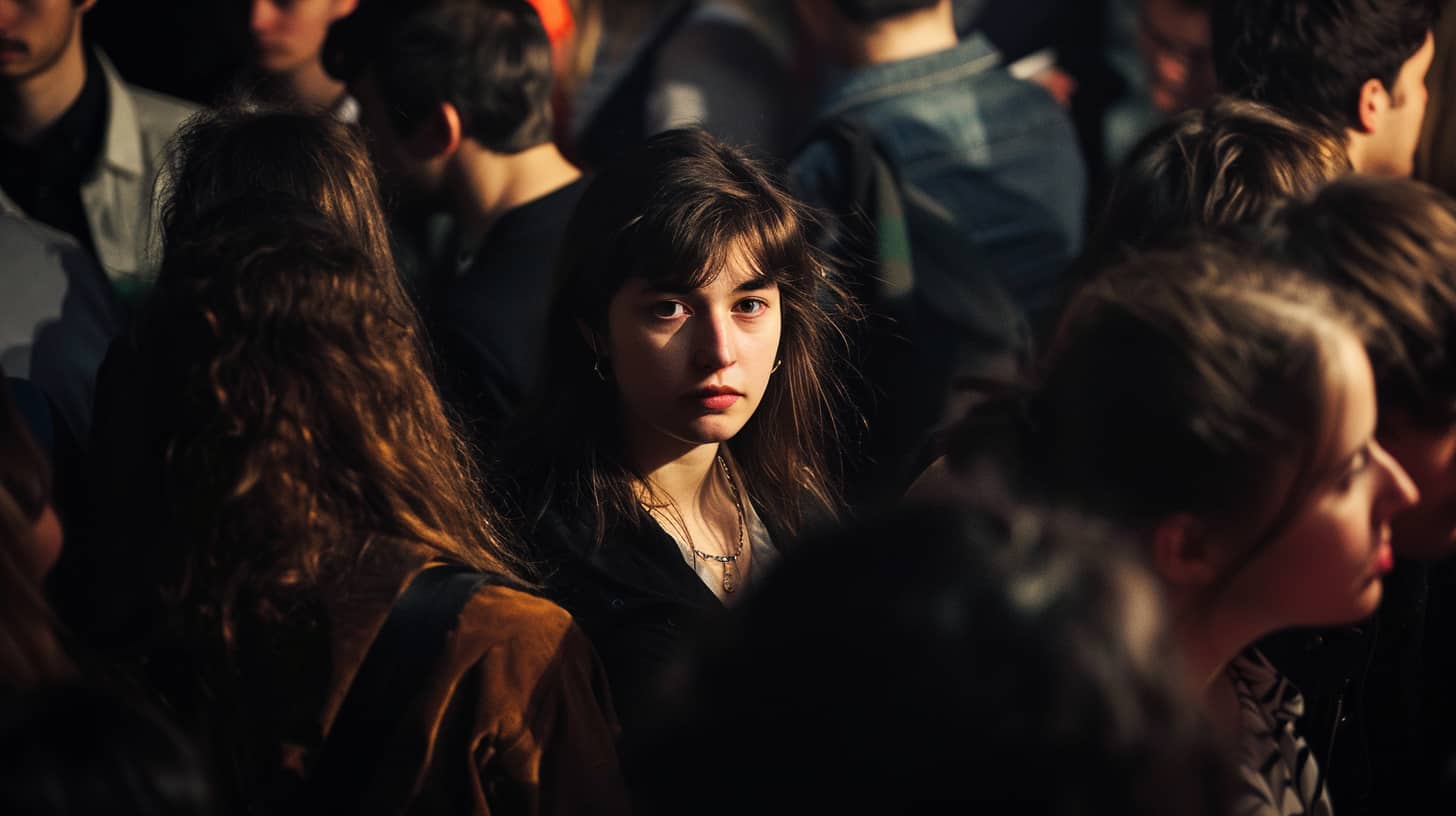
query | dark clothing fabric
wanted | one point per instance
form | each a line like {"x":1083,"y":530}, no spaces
{"x":634,"y":596}
{"x":1378,"y":695}
{"x":513,"y":717}
{"x":997,"y":154}
{"x":44,"y":178}
{"x":489,"y":322}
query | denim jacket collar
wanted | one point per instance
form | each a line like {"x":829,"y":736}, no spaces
{"x":972,"y":56}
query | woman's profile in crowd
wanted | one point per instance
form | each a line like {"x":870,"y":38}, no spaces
{"x":1223,"y":412}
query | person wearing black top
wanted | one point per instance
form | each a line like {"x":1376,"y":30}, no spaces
{"x":682,"y":432}
{"x":473,"y":145}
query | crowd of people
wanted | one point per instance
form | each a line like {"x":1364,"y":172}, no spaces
{"x":733,"y":406}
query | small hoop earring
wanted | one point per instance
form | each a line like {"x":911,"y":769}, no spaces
{"x":597,"y":367}
{"x":777,"y":363}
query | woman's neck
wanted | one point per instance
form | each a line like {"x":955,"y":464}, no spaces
{"x":1209,"y":641}
{"x":685,"y":480}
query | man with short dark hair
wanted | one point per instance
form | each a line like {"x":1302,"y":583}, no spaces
{"x":455,"y":96}
{"x":79,"y":149}
{"x":1355,"y":68}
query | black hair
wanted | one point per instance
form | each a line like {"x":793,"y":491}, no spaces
{"x":491,"y":59}
{"x":1310,"y":58}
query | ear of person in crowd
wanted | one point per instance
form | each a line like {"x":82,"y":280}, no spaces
{"x":1355,"y":68}
{"x":1222,"y":410}
{"x":1210,"y":170}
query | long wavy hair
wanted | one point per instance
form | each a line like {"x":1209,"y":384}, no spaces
{"x":673,"y":213}
{"x":301,"y":428}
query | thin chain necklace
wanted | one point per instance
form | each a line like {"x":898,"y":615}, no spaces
{"x":729,"y":562}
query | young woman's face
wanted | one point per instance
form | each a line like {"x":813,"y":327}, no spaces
{"x":691,"y":367}
{"x":1325,"y":569}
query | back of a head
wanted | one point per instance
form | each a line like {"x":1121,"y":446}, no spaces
{"x":1310,"y":58}
{"x":1392,"y":244}
{"x":1208,"y":170}
{"x":490,"y":59}
{"x":1178,"y":382}
{"x":940,"y":659}
{"x":219,"y":156}
{"x":74,"y":751}
{"x":300,"y":419}
{"x":868,"y":12}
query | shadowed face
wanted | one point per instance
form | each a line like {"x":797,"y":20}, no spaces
{"x":691,"y":367}
{"x":35,"y":34}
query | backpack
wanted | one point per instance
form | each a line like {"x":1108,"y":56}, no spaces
{"x":936,"y":318}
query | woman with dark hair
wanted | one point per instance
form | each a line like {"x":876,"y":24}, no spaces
{"x":314,"y":488}
{"x":216,"y":157}
{"x":687,"y":415}
{"x":1223,"y":413}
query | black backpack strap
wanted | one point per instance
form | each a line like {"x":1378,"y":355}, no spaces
{"x":411,"y":641}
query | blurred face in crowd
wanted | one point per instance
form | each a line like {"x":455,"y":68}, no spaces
{"x":289,"y":34}
{"x":1325,"y":568}
{"x":1175,"y":40}
{"x":411,"y":169}
{"x":1428,"y":530}
{"x":1399,"y":113}
{"x":691,"y":367}
{"x":36,"y":34}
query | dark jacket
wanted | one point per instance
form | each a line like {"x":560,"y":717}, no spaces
{"x":1378,"y":695}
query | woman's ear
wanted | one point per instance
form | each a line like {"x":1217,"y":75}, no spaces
{"x":1184,"y":554}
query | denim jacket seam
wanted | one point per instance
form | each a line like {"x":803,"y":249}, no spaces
{"x":913,"y":85}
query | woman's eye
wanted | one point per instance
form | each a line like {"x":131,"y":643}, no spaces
{"x":752,"y":306}
{"x":1361,"y":463}
{"x":668,"y":309}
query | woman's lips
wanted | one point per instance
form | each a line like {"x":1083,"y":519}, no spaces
{"x":714,"y":399}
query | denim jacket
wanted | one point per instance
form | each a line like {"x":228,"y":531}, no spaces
{"x":997,"y":152}
{"x":119,"y":193}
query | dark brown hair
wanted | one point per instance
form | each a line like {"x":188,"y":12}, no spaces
{"x":1180,"y":382}
{"x":1392,"y":244}
{"x":301,"y":425}
{"x":1310,"y":58}
{"x":491,"y":59}
{"x":249,"y":150}
{"x":673,"y":213}
{"x":1224,"y":165}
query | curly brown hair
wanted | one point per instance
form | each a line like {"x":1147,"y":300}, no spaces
{"x":303,"y":433}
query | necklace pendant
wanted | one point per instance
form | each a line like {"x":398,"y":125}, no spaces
{"x":730,"y":577}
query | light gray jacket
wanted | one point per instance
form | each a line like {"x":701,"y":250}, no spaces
{"x":120,"y":192}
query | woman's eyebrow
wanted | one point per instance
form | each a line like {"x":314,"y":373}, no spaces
{"x":754,"y":283}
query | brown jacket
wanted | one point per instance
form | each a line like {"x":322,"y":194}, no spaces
{"x":515,"y":719}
